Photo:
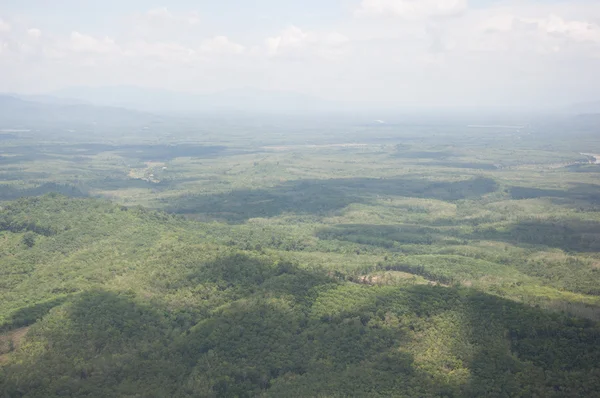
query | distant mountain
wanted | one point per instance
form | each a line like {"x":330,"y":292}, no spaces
{"x":47,"y":99}
{"x":238,"y":100}
{"x":587,"y":120}
{"x":585,"y":108}
{"x":20,"y":113}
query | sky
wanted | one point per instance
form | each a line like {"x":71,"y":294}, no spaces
{"x":529,"y":53}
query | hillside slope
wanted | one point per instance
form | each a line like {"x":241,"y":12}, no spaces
{"x":114,"y":301}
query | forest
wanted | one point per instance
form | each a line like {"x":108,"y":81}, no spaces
{"x":407,"y":260}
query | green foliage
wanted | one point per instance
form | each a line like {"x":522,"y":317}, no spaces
{"x":455,"y":264}
{"x":29,"y":239}
{"x":136,"y":305}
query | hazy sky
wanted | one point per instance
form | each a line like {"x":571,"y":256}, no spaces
{"x":405,"y":52}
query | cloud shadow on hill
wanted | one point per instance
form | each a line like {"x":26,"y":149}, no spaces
{"x":569,"y":235}
{"x":267,"y":339}
{"x":321,"y":197}
{"x":578,"y":192}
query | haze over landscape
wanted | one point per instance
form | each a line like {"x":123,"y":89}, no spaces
{"x":343,"y":198}
{"x":370,"y":53}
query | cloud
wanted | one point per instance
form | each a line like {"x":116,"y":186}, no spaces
{"x":163,"y":14}
{"x":497,"y":23}
{"x":295,"y":41}
{"x":221,"y":45}
{"x":88,"y":44}
{"x":160,"y":12}
{"x":552,"y":25}
{"x":411,"y":9}
{"x":422,"y":51}
{"x":4,"y":26}
{"x":34,"y":33}
{"x":174,"y":53}
{"x":169,"y":51}
{"x":161,"y":24}
{"x":508,"y":32}
{"x":292,"y":37}
{"x":574,"y":30}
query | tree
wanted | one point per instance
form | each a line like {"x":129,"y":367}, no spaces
{"x":29,"y":239}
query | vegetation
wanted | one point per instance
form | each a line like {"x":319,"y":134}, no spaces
{"x":400,"y":265}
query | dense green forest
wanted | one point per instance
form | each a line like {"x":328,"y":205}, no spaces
{"x":131,"y":302}
{"x":459,"y":264}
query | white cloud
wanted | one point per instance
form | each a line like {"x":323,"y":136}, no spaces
{"x":295,"y":41}
{"x":164,"y":16}
{"x":411,"y":9}
{"x":162,"y":24}
{"x":34,"y":33}
{"x":552,"y":25}
{"x":497,"y":23}
{"x":171,"y":52}
{"x":574,"y":30}
{"x":509,"y":32}
{"x":4,"y":26}
{"x":88,"y":44}
{"x":292,"y":37}
{"x":221,"y":45}
{"x":503,"y":50}
{"x":159,"y":12}
{"x":334,"y":39}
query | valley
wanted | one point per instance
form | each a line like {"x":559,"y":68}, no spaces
{"x":431,"y":261}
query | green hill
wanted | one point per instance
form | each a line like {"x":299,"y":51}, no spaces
{"x":100,"y":300}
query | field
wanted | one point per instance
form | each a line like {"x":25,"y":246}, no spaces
{"x":212,"y":241}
